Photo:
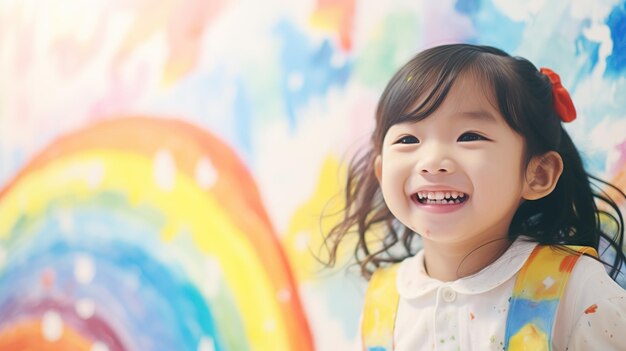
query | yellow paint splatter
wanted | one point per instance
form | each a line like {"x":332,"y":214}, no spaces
{"x":304,"y":240}
{"x":529,"y":338}
{"x":305,"y":232}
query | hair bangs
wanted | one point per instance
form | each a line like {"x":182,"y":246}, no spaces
{"x":418,"y":89}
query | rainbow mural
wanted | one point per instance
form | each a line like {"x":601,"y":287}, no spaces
{"x":142,"y":234}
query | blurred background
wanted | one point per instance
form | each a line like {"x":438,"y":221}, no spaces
{"x":165,"y":165}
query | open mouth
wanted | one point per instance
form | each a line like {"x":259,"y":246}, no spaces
{"x":439,"y":197}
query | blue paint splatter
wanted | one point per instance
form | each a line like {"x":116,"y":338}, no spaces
{"x":467,"y":7}
{"x":594,"y":162}
{"x":307,"y":69}
{"x":616,"y":62}
{"x":205,"y":99}
{"x":523,"y":312}
{"x":492,"y":27}
{"x":590,"y":49}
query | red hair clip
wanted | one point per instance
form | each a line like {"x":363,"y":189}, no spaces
{"x":562,"y":101}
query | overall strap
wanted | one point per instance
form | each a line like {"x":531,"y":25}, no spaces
{"x":379,"y":311}
{"x":539,"y":286}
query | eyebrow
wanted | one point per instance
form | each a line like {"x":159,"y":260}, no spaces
{"x":480,"y":115}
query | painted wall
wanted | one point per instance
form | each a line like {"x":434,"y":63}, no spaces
{"x":164,"y":168}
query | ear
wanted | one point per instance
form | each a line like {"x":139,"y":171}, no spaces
{"x":378,"y":168}
{"x":542,"y":174}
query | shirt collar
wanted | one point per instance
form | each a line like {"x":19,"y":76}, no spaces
{"x":413,"y":281}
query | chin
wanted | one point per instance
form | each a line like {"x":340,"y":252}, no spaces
{"x":439,"y":234}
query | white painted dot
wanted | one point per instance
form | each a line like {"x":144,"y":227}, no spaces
{"x":206,"y":344}
{"x":66,"y":221}
{"x":85,"y":308}
{"x":295,"y":81}
{"x":548,"y":282}
{"x":94,"y":173}
{"x":52,"y":326}
{"x":269,"y":325}
{"x":301,"y":241}
{"x":164,"y":170}
{"x":284,"y":295}
{"x":213,"y":276}
{"x":84,"y":269}
{"x":99,"y":346}
{"x":206,"y":175}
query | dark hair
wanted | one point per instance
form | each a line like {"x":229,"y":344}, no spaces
{"x":567,"y":216}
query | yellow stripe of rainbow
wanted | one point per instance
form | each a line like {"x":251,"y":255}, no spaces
{"x":226,"y":221}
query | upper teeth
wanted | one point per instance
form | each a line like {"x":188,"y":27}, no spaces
{"x":439,"y":195}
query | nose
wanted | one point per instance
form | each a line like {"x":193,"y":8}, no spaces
{"x":435,"y":160}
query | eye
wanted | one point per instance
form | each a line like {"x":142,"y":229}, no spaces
{"x":407,"y":139}
{"x":471,"y":137}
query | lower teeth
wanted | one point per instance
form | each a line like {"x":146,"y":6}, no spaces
{"x":441,"y":202}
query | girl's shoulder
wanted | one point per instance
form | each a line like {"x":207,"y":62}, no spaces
{"x":593,"y":309}
{"x":590,"y":282}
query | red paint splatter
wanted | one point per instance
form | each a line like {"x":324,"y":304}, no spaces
{"x":338,"y":16}
{"x":568,"y":263}
{"x":591,"y":309}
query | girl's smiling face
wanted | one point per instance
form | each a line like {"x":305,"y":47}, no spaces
{"x":456,"y":176}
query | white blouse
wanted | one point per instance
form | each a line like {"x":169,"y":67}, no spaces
{"x":470,"y":313}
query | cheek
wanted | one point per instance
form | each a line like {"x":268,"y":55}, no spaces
{"x":392,"y":169}
{"x":497,"y":175}
{"x":393,"y":187}
{"x":392,"y":184}
{"x":396,"y":202}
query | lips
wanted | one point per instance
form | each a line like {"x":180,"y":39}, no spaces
{"x":440,"y":197}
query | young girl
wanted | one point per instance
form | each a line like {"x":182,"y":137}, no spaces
{"x":469,"y":153}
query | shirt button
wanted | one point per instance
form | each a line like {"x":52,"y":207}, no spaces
{"x":448,"y":294}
